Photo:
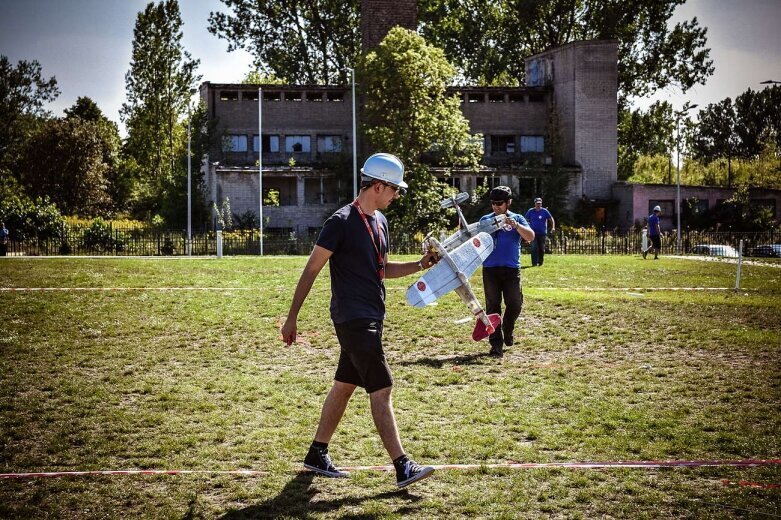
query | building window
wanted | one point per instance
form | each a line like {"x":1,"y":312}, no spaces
{"x":532,"y":144}
{"x":329,"y":143}
{"x":516,"y":98}
{"x":293,"y":96}
{"x":489,"y":182}
{"x":229,"y":95}
{"x":297,"y":143}
{"x":234,"y":143}
{"x":535,"y":97}
{"x":335,"y":96}
{"x":503,"y":144}
{"x":272,"y":96}
{"x":270,"y":143}
{"x":314,"y":96}
{"x":667,"y":206}
{"x":250,"y":95}
{"x":496,"y":98}
{"x":451,"y":181}
{"x":475,"y":98}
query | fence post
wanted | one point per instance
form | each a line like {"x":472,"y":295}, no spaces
{"x":740,"y":261}
{"x":219,"y":243}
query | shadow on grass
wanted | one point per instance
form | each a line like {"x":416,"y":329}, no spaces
{"x":296,"y":501}
{"x":469,"y":359}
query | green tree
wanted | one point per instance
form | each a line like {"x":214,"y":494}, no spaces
{"x":487,"y":38}
{"x":408,"y":112}
{"x":716,"y":137}
{"x":159,"y":85}
{"x":119,"y":182}
{"x":647,"y":133}
{"x":302,"y":42}
{"x":65,"y":160}
{"x":23,"y":93}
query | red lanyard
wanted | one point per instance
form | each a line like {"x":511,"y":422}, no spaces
{"x":380,"y":262}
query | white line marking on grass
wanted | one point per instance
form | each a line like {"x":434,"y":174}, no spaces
{"x":635,"y":464}
{"x":633,"y":289}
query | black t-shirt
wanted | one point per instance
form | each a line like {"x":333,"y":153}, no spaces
{"x":356,"y":289}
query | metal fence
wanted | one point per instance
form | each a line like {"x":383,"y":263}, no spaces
{"x":155,"y":242}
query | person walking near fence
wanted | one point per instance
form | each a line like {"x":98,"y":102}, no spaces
{"x":654,"y":233}
{"x":538,"y":218}
{"x":354,"y":241}
{"x":3,"y":239}
{"x":502,"y":269}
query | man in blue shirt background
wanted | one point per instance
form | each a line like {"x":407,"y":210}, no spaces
{"x":502,"y":269}
{"x":655,"y":232}
{"x":538,"y":218}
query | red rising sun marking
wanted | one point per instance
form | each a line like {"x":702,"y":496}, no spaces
{"x":421,"y":286}
{"x":476,"y":242}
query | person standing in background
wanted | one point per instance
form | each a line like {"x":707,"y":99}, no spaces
{"x":655,"y":232}
{"x":538,"y":218}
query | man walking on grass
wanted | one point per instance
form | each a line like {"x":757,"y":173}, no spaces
{"x":538,"y":218}
{"x":654,"y":232}
{"x":354,"y":241}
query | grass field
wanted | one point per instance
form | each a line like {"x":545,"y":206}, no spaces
{"x":187,"y":379}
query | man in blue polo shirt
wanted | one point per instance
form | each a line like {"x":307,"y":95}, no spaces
{"x":502,"y":269}
{"x":654,"y":232}
{"x":538,"y":218}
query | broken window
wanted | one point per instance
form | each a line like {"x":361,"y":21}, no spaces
{"x":234,"y":143}
{"x":270,"y":143}
{"x":335,"y":96}
{"x":532,"y":144}
{"x":297,"y":144}
{"x":314,"y":96}
{"x":229,"y":95}
{"x":293,"y":96}
{"x":503,"y":144}
{"x":272,"y":96}
{"x":329,"y":143}
{"x":496,"y":98}
{"x":475,"y":98}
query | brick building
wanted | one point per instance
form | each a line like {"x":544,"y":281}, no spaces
{"x":307,"y":137}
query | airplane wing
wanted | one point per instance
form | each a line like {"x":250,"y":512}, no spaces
{"x":489,"y":226}
{"x":442,"y":278}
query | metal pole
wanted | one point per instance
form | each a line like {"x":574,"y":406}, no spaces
{"x":189,"y":185}
{"x":260,"y":164}
{"x":355,"y":142}
{"x":678,"y":184}
{"x":740,"y":261}
{"x":355,"y":135}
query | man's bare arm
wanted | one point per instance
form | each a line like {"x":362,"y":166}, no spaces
{"x":314,"y":265}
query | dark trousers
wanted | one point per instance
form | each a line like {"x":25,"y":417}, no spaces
{"x":538,"y":249}
{"x":499,"y":283}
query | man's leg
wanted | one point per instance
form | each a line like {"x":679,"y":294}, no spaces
{"x":492,"y":286}
{"x":513,"y":302}
{"x":333,"y":409}
{"x":534,"y":251}
{"x":407,"y":470}
{"x":540,"y":248}
{"x":385,"y":421}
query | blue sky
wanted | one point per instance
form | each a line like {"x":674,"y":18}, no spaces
{"x":86,"y":45}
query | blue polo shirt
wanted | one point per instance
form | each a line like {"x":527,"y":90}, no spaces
{"x":538,"y":220}
{"x":507,"y":244}
{"x":653,"y":221}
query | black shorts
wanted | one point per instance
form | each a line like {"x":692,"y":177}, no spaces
{"x":362,"y":360}
{"x":656,"y":241}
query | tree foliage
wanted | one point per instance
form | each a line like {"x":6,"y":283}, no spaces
{"x":302,"y":42}
{"x":65,"y":160}
{"x":159,"y":85}
{"x":644,"y":133}
{"x":488,"y":38}
{"x":408,"y":113}
{"x":24,"y":217}
{"x":23,"y":93}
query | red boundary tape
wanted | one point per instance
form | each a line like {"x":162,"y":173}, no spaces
{"x":648,"y":464}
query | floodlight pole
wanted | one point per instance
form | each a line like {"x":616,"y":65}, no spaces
{"x":189,"y":184}
{"x":260,"y":164}
{"x":680,"y":114}
{"x":355,"y":136}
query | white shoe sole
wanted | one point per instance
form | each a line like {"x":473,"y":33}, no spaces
{"x":319,"y":471}
{"x":427,"y":472}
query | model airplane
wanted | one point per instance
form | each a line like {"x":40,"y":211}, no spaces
{"x":460,"y":255}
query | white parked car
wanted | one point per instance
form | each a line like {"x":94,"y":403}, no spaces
{"x":714,"y":250}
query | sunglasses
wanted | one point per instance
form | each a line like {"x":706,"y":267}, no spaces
{"x":396,"y":189}
{"x":498,"y":202}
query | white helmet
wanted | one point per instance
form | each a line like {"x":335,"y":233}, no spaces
{"x":657,"y":208}
{"x":385,"y":167}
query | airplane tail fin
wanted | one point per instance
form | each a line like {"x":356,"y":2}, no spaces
{"x":482,"y":330}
